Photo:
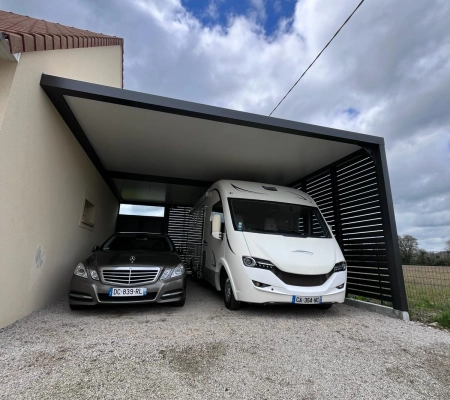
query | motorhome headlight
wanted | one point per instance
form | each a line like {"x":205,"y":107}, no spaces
{"x":340,"y":266}
{"x":178,"y":271}
{"x":257,"y":263}
{"x":80,"y":270}
{"x":249,"y":261}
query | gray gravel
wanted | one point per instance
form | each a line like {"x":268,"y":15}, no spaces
{"x":205,"y":351}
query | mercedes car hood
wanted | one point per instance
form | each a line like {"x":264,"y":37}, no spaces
{"x":154,"y":259}
{"x":298,"y":255}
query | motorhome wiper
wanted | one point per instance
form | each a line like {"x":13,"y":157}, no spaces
{"x":292,"y":231}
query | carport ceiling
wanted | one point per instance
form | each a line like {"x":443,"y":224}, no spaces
{"x":157,"y":150}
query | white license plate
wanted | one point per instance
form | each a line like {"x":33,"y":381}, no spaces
{"x":307,"y":300}
{"x":123,"y":292}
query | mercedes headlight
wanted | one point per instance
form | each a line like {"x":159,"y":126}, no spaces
{"x":178,"y":271}
{"x":81,"y":271}
{"x":166,"y":274}
{"x":94,"y":274}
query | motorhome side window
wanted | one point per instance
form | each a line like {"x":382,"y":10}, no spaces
{"x":217,"y":209}
{"x":277,"y":218}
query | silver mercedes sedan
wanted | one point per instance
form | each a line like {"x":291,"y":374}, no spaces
{"x":130,"y":268}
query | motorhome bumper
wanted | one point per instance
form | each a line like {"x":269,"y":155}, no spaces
{"x":272,"y":290}
{"x":270,"y":297}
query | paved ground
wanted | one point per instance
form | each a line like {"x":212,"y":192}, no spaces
{"x":204,"y":351}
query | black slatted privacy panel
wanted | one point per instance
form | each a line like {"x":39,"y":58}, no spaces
{"x":363,"y":236}
{"x":320,"y":189}
{"x":181,"y":228}
{"x":348,"y":196}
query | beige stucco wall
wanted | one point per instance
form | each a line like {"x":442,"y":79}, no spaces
{"x":44,"y":176}
{"x":7,"y":70}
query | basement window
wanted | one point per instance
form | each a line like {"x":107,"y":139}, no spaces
{"x":87,"y":215}
{"x":142,"y":211}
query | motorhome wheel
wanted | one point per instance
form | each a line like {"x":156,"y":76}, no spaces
{"x":230,"y":302}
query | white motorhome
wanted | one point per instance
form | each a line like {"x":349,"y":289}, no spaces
{"x":266,"y":244}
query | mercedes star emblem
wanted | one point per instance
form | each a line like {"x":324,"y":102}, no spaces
{"x":132,"y":258}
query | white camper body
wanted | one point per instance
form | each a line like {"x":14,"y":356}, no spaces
{"x":266,"y":244}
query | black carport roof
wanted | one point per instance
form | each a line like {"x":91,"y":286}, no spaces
{"x":158,"y":150}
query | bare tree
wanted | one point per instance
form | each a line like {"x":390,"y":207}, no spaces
{"x":408,"y":247}
{"x":447,"y":245}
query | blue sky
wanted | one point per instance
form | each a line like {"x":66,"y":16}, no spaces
{"x":219,"y":12}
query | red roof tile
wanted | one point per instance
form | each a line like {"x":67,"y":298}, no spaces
{"x":30,"y":34}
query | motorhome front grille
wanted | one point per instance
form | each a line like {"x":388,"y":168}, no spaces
{"x":301,"y":280}
{"x":127,"y":276}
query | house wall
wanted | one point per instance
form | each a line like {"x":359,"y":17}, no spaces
{"x":44,"y":178}
{"x":7,"y":70}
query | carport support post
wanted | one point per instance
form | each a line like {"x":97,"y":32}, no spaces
{"x":394,"y":261}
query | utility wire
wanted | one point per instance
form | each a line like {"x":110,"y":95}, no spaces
{"x":310,"y":65}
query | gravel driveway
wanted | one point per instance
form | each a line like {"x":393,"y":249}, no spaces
{"x":204,"y":351}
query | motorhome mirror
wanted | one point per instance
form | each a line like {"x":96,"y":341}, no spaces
{"x":216,"y":230}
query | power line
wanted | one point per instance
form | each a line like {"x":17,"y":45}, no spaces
{"x":310,"y":65}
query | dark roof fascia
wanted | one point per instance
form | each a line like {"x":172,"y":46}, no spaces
{"x":69,"y":87}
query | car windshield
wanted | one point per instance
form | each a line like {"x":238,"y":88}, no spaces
{"x":138,"y":242}
{"x":278,"y":218}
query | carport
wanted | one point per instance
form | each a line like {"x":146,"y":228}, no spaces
{"x":159,"y":151}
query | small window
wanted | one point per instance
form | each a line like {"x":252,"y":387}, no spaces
{"x":143,"y":211}
{"x":87,"y":215}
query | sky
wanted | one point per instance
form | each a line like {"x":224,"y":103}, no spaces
{"x":387,"y":73}
{"x":147,"y":211}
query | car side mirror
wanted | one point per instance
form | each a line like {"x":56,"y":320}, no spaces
{"x":95,"y":249}
{"x":216,"y":229}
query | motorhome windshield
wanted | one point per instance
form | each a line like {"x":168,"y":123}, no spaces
{"x":277,"y":218}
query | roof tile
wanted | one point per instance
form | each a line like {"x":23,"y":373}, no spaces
{"x":25,"y":34}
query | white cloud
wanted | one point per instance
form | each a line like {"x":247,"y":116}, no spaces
{"x":390,"y":64}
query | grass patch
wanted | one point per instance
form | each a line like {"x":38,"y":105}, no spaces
{"x":428,"y":293}
{"x":443,"y":319}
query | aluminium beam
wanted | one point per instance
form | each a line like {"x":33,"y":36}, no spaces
{"x":70,"y":87}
